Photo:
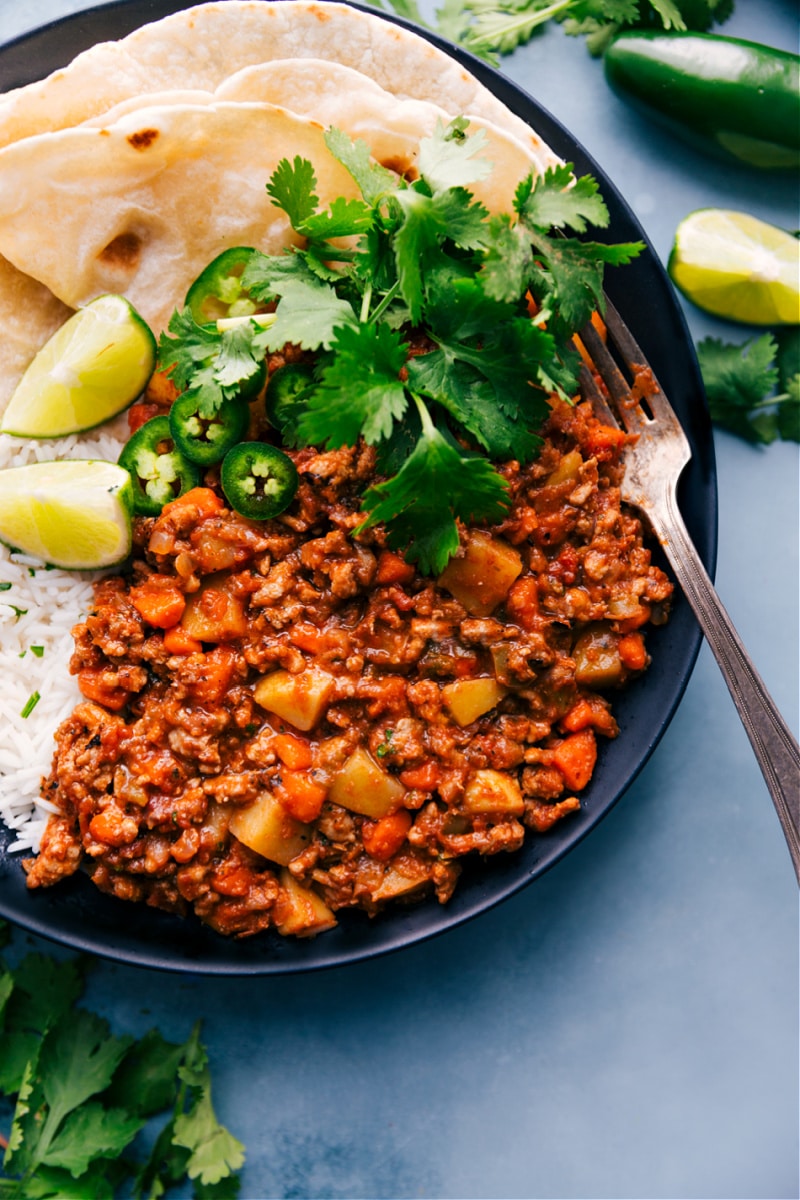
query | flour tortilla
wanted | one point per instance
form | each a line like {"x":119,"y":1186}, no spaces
{"x":200,"y":47}
{"x":29,"y":314}
{"x":339,"y":96}
{"x":141,"y":206}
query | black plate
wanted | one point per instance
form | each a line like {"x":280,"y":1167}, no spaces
{"x":77,"y":914}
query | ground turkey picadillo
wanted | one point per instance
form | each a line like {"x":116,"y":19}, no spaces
{"x":282,"y":719}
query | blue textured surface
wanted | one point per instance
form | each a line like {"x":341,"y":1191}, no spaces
{"x":628,"y":1026}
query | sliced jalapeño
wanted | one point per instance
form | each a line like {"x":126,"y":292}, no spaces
{"x":259,"y":481}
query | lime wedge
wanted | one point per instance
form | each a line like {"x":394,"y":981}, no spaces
{"x":737,"y":267}
{"x":72,"y":514}
{"x":90,"y":369}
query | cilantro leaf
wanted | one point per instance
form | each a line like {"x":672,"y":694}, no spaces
{"x":426,"y":221}
{"x":83,"y":1095}
{"x":558,"y":200}
{"x":470,"y":398}
{"x":308,"y":314}
{"x":215,"y":365}
{"x":507,"y":260}
{"x":213,"y":1152}
{"x":573,"y":275}
{"x":491,"y":27}
{"x":740,"y":382}
{"x":450,"y":159}
{"x":88,"y":1133}
{"x":437,"y":483}
{"x":292,"y":188}
{"x":42,"y":990}
{"x":144,"y":1081}
{"x":360,"y":392}
{"x":374,"y":181}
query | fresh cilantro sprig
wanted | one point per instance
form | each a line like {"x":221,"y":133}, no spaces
{"x":753,"y":389}
{"x":496,"y":27}
{"x":418,"y":307}
{"x":214,"y":365}
{"x":82,"y":1096}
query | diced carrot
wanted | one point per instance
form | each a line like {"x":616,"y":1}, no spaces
{"x":301,"y":795}
{"x":424,"y":778}
{"x":92,"y":685}
{"x":162,"y":389}
{"x":393,"y":568}
{"x":215,"y":679}
{"x":634,"y":622}
{"x":112,"y":827}
{"x":580,"y":716}
{"x":139,"y":414}
{"x":178,"y":641}
{"x":522,"y":602}
{"x":382,"y":839}
{"x":306,"y":635}
{"x":203,"y":501}
{"x":604,"y":440}
{"x":632,"y":651}
{"x":294,"y":752}
{"x":161,"y":607}
{"x":575,"y":758}
{"x":589,"y":714}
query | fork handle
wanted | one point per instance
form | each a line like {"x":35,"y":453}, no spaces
{"x":774,"y":745}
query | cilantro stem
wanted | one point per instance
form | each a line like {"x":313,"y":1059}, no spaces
{"x":393,"y":291}
{"x":518,"y":25}
{"x":263,"y":320}
{"x":366,"y":300}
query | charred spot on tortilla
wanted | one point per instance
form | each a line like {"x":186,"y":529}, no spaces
{"x":143,"y":139}
{"x":122,"y":252}
{"x":401,"y":165}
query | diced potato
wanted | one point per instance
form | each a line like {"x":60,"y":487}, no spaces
{"x":300,"y":911}
{"x":298,"y":699}
{"x":490,"y":791}
{"x":567,"y":469}
{"x":266,"y":827}
{"x":469,"y":699}
{"x":363,"y":787}
{"x":403,"y":876}
{"x":214,"y":614}
{"x":482,"y":576}
{"x":597,"y":660}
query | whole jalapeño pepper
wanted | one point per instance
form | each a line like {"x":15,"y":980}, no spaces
{"x":735,"y":99}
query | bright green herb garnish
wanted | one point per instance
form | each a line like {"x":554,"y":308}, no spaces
{"x":425,"y":261}
{"x":753,"y":389}
{"x":82,"y":1095}
{"x":492,"y":27}
{"x":30,"y":704}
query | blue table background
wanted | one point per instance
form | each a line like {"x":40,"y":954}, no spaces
{"x":628,"y":1025}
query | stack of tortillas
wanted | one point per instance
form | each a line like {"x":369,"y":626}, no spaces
{"x":129,"y":170}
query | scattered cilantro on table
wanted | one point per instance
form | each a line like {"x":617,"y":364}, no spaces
{"x":495,"y":27}
{"x":418,"y":304}
{"x":753,"y":389}
{"x":82,"y":1095}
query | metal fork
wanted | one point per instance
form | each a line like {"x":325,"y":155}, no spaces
{"x":653,"y":464}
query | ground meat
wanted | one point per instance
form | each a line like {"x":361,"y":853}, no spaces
{"x":321,"y":727}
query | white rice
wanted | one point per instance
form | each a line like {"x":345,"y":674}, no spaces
{"x":39,"y":610}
